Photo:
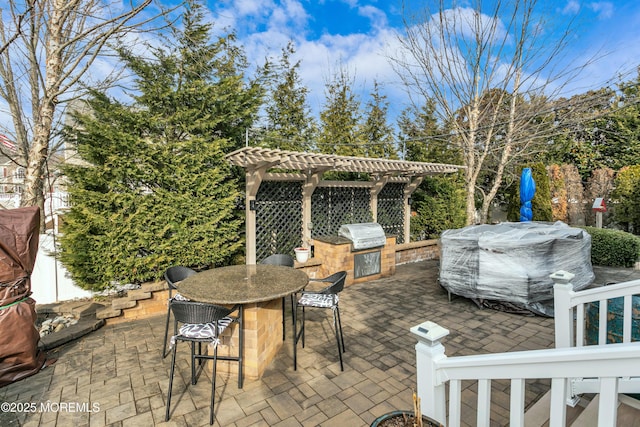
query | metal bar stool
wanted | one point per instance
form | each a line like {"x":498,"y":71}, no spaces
{"x":287,"y":261}
{"x":174,"y":275}
{"x":326,"y":298}
{"x":202,"y":323}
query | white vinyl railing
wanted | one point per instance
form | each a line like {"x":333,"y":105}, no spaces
{"x":570,"y":309}
{"x":607,"y":369}
{"x":571,"y":319}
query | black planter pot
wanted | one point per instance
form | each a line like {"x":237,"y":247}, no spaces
{"x":426,"y":421}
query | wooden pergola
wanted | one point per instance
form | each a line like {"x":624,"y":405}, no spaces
{"x":259,"y":164}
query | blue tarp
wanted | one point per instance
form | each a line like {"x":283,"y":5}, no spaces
{"x":527,"y":191}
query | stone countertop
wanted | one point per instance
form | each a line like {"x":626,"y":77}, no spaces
{"x":339,"y":240}
{"x":333,"y":240}
{"x":243,"y":284}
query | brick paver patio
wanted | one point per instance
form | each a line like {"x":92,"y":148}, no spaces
{"x":115,"y":376}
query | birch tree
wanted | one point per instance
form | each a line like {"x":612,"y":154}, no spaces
{"x":491,"y":70}
{"x":50,"y":49}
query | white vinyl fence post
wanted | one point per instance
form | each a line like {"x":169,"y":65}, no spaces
{"x":563,"y":320}
{"x":429,"y":351}
{"x":562,"y":309}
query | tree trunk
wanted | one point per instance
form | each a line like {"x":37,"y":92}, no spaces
{"x":33,"y":194}
{"x":471,"y":200}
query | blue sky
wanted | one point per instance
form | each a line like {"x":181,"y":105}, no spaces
{"x":361,"y":34}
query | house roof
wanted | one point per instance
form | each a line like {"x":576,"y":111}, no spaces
{"x":258,"y":157}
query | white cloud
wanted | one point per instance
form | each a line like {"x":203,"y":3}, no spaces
{"x":604,"y":9}
{"x":463,"y":22}
{"x":251,"y":7}
{"x":264,"y":31}
{"x":572,"y":7}
{"x":378,"y":17}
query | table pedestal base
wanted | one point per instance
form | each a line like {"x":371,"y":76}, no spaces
{"x":262,"y":339}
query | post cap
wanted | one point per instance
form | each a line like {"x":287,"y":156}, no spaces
{"x":562,"y":276}
{"x":430,"y":331}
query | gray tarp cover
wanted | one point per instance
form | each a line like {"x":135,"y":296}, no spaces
{"x":19,"y":237}
{"x":511,"y":262}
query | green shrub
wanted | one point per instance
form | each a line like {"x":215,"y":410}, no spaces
{"x":439,"y":205}
{"x":626,"y":199}
{"x":613,"y":248}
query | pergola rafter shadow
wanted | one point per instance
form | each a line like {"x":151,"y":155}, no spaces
{"x":309,"y":167}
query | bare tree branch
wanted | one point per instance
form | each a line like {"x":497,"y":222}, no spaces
{"x":494,"y":74}
{"x":7,"y":42}
{"x":49,"y":48}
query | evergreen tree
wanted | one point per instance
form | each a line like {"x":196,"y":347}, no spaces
{"x":340,"y":119}
{"x":558,"y":193}
{"x":621,"y":129}
{"x":288,"y":124}
{"x":575,"y":194}
{"x":541,"y":203}
{"x":439,"y":201}
{"x":607,"y":135}
{"x":580,"y":139}
{"x":154,"y":189}
{"x":237,"y":102}
{"x":423,"y":139}
{"x":377,"y":133}
{"x":626,"y":198}
{"x":439,"y":205}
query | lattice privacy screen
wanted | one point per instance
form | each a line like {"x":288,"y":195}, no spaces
{"x":279,"y":213}
{"x":332,"y":207}
{"x":391,"y":210}
{"x":278,"y":218}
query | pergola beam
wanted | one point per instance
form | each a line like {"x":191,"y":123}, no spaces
{"x":302,"y":161}
{"x":309,"y":168}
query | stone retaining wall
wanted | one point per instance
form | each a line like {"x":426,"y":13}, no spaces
{"x":417,"y":251}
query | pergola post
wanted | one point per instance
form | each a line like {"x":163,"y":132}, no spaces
{"x":311,"y":182}
{"x":377,"y":188}
{"x":408,"y":191}
{"x":254,"y":176}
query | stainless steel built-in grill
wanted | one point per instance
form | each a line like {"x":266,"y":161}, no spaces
{"x":364,"y":236}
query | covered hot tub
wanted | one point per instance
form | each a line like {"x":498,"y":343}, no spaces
{"x":507,"y":266}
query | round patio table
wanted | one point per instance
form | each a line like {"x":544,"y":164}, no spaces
{"x":260,"y":289}
{"x":243,"y":284}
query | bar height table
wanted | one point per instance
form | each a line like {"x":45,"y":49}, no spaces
{"x":259,"y":288}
